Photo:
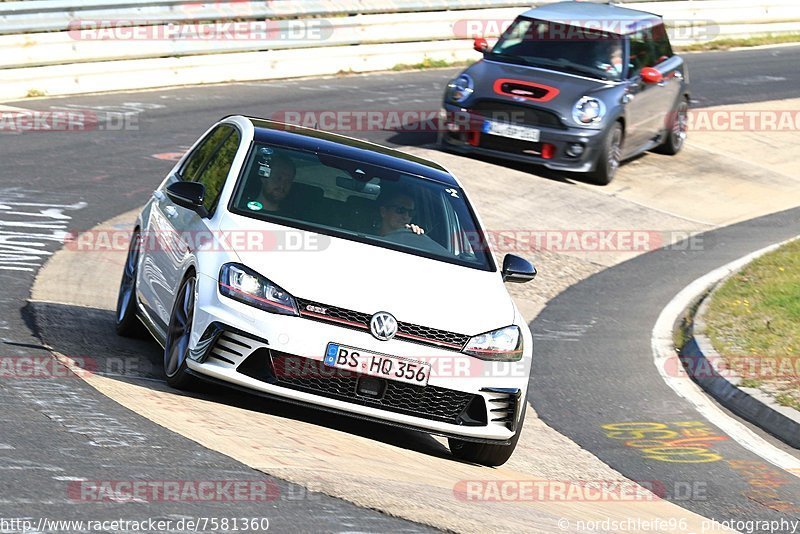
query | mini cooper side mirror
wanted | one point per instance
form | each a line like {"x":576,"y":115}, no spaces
{"x":516,"y":269}
{"x":189,"y":195}
{"x":480,"y":45}
{"x":651,"y":75}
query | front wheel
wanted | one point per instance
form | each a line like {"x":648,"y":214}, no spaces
{"x":676,"y":137}
{"x":127,"y":324}
{"x":179,"y":333}
{"x":609,"y":158}
{"x":486,"y":453}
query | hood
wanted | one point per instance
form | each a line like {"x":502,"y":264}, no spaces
{"x":368,"y":278}
{"x":570,"y":88}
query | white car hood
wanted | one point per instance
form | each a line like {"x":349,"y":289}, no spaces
{"x":368,"y":279}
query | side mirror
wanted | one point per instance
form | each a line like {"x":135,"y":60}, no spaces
{"x":516,"y":269}
{"x":651,"y":75}
{"x":189,"y":195}
{"x":480,"y":45}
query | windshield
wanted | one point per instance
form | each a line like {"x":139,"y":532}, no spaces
{"x":362,"y":202}
{"x":559,"y":46}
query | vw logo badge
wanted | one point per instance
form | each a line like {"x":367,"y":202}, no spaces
{"x":383,"y":326}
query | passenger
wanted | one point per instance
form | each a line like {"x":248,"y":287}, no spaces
{"x":276,"y":182}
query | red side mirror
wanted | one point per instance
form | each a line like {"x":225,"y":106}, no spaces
{"x":651,"y":75}
{"x":480,"y":45}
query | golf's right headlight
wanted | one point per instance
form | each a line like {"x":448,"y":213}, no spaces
{"x":460,"y":89}
{"x":588,"y":110}
{"x":245,"y":285}
{"x":503,"y":345}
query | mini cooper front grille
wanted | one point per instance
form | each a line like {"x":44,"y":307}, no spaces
{"x":358,"y":320}
{"x":312,"y":376}
{"x":516,"y":114}
{"x":505,"y":144}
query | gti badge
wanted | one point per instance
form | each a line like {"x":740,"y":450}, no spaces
{"x":383,"y":326}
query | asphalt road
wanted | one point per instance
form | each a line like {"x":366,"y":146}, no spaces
{"x":58,"y":181}
{"x":594,"y":380}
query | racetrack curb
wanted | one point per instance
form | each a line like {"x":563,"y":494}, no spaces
{"x":750,"y":403}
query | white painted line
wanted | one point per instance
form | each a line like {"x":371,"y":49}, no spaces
{"x":663,"y":350}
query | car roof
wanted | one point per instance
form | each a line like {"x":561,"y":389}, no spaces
{"x":279,"y":133}
{"x":589,"y":14}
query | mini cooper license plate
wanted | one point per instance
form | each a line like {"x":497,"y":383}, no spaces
{"x":511,"y":130}
{"x":379,"y":365}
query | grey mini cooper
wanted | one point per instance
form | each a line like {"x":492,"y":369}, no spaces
{"x":556,"y":91}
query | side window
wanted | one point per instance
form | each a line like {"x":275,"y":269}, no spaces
{"x":641,"y":52}
{"x":192,"y":167}
{"x":219,"y":165}
{"x":663,"y":50}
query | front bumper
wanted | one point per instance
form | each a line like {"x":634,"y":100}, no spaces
{"x":468,"y":139}
{"x":281,"y":356}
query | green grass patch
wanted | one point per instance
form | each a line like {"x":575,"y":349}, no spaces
{"x":756,"y":314}
{"x":728,"y":43}
{"x":429,"y":63}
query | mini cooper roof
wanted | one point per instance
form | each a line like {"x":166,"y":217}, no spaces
{"x":592,"y":16}
{"x":301,"y":138}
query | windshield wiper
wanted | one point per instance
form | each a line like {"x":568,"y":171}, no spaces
{"x":509,"y":57}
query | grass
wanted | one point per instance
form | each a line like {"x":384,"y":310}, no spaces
{"x":429,"y":63}
{"x":728,"y":43}
{"x":755,"y":315}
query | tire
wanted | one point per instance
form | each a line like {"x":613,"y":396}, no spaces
{"x":486,"y":453}
{"x":609,"y":159}
{"x":676,"y":137}
{"x":179,"y":333}
{"x":127,"y":322}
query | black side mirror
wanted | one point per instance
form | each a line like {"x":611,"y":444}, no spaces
{"x":189,"y":195}
{"x":516,"y":269}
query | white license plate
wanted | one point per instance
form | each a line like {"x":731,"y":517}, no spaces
{"x":511,"y":130}
{"x":379,"y":365}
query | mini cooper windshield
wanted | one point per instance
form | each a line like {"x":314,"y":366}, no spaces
{"x":355,"y":200}
{"x":562,"y":47}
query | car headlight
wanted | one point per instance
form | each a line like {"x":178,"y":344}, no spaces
{"x":588,"y":110}
{"x":503,"y":345}
{"x":460,"y":89}
{"x":245,"y":285}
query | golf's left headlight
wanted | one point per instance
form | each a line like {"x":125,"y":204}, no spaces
{"x":245,"y":285}
{"x":460,"y":89}
{"x":588,"y":110}
{"x":503,"y":345}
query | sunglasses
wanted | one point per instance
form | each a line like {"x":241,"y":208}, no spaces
{"x":402,"y":210}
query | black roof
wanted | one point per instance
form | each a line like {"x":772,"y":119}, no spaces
{"x":298,"y":137}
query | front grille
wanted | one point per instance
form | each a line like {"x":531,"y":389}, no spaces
{"x":506,"y":144}
{"x":516,"y":114}
{"x":523,"y":89}
{"x":360,"y":321}
{"x":312,"y":376}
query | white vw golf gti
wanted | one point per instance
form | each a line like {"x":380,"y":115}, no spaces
{"x":327,"y":271}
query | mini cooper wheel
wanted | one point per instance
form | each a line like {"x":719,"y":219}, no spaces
{"x":609,"y":158}
{"x":127,"y":324}
{"x":486,"y":453}
{"x":676,"y":137}
{"x":176,"y":348}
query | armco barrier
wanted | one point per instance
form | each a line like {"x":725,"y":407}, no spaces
{"x":43,"y":51}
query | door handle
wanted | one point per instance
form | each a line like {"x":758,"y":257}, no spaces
{"x":159,"y":195}
{"x":170,"y":211}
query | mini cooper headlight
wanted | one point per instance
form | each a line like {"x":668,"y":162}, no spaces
{"x":460,"y":89}
{"x":503,"y":345}
{"x":588,"y":110}
{"x":245,"y":285}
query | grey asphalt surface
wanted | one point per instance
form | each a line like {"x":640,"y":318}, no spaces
{"x":48,"y":425}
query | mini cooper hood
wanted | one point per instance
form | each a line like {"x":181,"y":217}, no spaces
{"x":369,"y":279}
{"x":570,"y":88}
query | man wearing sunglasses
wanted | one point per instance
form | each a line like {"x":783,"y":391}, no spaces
{"x":397,"y":211}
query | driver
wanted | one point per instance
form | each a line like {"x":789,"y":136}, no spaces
{"x":397,"y":210}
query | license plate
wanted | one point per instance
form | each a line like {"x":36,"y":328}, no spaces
{"x":378,"y":365}
{"x":511,"y":130}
